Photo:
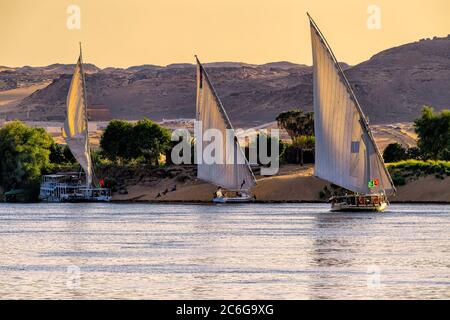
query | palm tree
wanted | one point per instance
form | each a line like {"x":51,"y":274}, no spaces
{"x":300,"y":127}
{"x":297,"y":123}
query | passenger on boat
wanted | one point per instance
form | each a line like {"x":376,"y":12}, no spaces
{"x":218,"y":193}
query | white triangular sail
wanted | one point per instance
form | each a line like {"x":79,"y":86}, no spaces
{"x":75,"y":130}
{"x":346,"y":153}
{"x":235,"y":173}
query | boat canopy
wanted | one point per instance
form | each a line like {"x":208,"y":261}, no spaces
{"x":346,"y":152}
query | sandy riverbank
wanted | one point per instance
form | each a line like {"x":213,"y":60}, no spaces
{"x":292,"y":184}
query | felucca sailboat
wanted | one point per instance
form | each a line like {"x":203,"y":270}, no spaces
{"x":233,"y":175}
{"x":346,"y":152}
{"x":70,"y":187}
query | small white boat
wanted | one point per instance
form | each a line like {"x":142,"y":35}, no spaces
{"x":69,"y":187}
{"x":241,"y":198}
{"x":346,"y":152}
{"x":237,"y":176}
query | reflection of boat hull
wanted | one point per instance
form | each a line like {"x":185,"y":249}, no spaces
{"x":243,"y":199}
{"x":359,"y":203}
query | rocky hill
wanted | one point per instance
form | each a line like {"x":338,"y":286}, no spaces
{"x":396,"y":83}
{"x":392,"y":86}
{"x":13,"y":78}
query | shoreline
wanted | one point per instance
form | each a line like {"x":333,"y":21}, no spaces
{"x":258,"y":202}
{"x":293,"y":184}
{"x":196,"y":202}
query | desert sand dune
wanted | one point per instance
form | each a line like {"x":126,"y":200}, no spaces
{"x":9,"y":99}
{"x":402,"y":133}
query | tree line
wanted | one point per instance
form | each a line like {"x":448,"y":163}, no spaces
{"x":433,"y":143}
{"x":26,"y":153}
{"x":300,"y":127}
{"x":144,"y":141}
{"x":432,"y":129}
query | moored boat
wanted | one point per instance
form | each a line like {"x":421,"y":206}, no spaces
{"x":74,"y":187}
{"x":240,"y":197}
{"x":70,"y":188}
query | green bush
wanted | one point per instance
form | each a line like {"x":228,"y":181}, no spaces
{"x":111,"y":183}
{"x":61,"y":154}
{"x":433,"y":130}
{"x":115,"y":140}
{"x":409,"y":169}
{"x":398,"y":179}
{"x":144,"y":141}
{"x":24,"y":156}
{"x":394,"y":152}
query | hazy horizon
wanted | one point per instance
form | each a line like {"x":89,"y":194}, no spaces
{"x":124,"y":34}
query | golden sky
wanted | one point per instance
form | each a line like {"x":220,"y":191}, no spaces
{"x":123,"y":33}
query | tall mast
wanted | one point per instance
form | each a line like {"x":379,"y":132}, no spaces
{"x":88,"y":179}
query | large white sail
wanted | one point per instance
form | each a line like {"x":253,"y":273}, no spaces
{"x":346,"y":153}
{"x":235,"y":173}
{"x":75,"y":130}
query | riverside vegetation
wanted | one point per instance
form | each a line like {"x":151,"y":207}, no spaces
{"x":133,"y":151}
{"x":432,"y":154}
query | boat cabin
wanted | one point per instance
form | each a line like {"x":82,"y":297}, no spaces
{"x":70,"y":188}
{"x":357,"y":202}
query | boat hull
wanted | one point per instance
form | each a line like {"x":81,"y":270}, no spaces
{"x":246,"y":199}
{"x":342,"y":207}
{"x":75,"y":199}
{"x":359,"y":203}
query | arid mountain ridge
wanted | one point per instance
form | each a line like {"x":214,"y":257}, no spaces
{"x":392,"y":86}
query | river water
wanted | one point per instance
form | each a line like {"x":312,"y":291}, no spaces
{"x":289,"y":251}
